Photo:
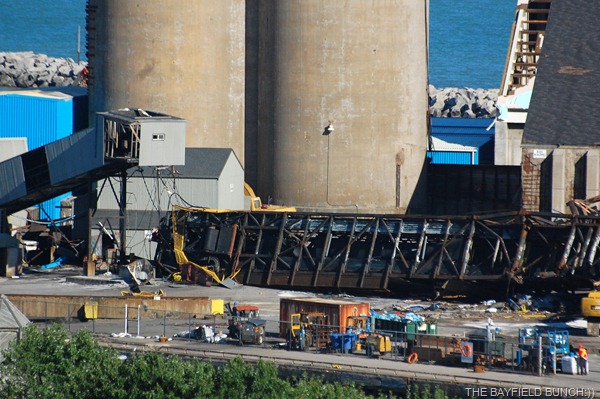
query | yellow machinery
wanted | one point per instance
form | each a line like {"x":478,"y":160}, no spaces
{"x":590,"y":309}
{"x":257,"y":205}
{"x":378,"y":345}
{"x":309,"y":329}
{"x":358,"y":323}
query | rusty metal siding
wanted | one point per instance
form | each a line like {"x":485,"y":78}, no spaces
{"x":337,"y":311}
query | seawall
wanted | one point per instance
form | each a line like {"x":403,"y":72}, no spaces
{"x":29,"y":70}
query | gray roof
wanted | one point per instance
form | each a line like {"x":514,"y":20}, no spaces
{"x":10,"y":316}
{"x":567,"y":86}
{"x":201,"y":163}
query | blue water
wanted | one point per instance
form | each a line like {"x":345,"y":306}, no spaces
{"x":468,"y":42}
{"x":468,"y":38}
{"x":43,"y":26}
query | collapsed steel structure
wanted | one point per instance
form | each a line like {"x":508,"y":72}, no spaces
{"x":394,"y":253}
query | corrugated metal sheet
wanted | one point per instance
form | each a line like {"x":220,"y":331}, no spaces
{"x":40,"y":117}
{"x":462,"y":125}
{"x":472,"y":140}
{"x":453,"y":157}
{"x":11,"y":147}
{"x":51,"y":208}
{"x":212,"y":178}
{"x":474,"y":132}
{"x":85,"y":150}
{"x":80,"y":104}
{"x":12,"y":180}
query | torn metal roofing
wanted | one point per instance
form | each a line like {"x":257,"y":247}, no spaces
{"x":561,"y":111}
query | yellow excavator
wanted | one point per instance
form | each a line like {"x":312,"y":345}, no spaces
{"x":590,"y":309}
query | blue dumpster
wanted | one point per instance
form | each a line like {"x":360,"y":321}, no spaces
{"x":343,"y":342}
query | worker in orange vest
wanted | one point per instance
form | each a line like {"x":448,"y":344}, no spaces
{"x":582,"y":361}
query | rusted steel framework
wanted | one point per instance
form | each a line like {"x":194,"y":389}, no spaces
{"x":383,"y":252}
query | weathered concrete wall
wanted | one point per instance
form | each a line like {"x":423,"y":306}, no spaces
{"x":184,"y":59}
{"x":364,"y":70}
{"x":507,"y":144}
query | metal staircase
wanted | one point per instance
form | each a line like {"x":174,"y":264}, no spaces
{"x":527,"y":39}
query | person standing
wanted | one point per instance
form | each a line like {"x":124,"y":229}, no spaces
{"x":582,"y":360}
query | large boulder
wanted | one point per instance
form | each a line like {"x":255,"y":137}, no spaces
{"x":452,"y":102}
{"x":30,"y":70}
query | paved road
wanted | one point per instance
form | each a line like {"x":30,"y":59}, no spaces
{"x":56,"y":282}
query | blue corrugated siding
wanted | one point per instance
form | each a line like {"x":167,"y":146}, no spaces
{"x":452,"y":157}
{"x":472,"y":132}
{"x":41,"y":120}
{"x":465,"y":131}
{"x":471,"y":140}
{"x":51,"y":208}
{"x":461,"y":124}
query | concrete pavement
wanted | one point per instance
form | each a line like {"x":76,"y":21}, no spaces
{"x":394,"y":370}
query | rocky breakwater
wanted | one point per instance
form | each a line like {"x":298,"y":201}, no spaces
{"x":38,"y":70}
{"x":462,"y":103}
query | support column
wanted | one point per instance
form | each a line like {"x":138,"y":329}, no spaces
{"x":592,"y":173}
{"x":89,"y":267}
{"x":123,"y":218}
{"x":559,"y":189}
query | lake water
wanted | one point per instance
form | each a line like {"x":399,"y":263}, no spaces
{"x":468,"y":38}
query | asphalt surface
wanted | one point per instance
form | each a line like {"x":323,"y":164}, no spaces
{"x":452,"y":320}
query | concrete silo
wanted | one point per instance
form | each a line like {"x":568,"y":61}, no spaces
{"x":360,"y":68}
{"x":183,"y":58}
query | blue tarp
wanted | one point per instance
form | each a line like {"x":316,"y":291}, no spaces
{"x":406,"y":318}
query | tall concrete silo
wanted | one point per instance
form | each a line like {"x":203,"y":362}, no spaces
{"x":183,"y":58}
{"x":360,"y":68}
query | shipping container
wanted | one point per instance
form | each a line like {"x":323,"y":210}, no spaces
{"x":336,"y":310}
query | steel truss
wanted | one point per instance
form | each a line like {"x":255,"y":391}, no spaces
{"x":377,"y":252}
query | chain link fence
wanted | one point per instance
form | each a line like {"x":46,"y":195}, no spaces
{"x":495,"y":352}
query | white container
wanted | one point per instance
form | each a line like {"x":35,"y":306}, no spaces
{"x":569,"y":365}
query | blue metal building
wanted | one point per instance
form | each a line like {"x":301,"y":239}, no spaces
{"x":468,"y":133}
{"x":43,"y":116}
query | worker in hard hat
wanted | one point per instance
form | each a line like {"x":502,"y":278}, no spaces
{"x":582,"y":360}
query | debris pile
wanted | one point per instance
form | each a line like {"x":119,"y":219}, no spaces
{"x":31,"y":70}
